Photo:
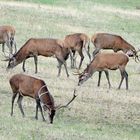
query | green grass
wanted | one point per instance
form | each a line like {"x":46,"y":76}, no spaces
{"x":97,"y":113}
{"x":125,"y":4}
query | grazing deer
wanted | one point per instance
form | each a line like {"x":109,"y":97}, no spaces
{"x":7,"y":34}
{"x":45,"y":47}
{"x":114,"y":42}
{"x":24,"y":85}
{"x":77,"y":42}
{"x":105,"y":62}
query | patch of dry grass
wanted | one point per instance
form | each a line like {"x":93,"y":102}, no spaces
{"x":97,"y":113}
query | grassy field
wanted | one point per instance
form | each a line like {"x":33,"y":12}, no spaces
{"x":97,"y":113}
{"x":129,"y":4}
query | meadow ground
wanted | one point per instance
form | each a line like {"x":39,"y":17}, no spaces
{"x":97,"y":113}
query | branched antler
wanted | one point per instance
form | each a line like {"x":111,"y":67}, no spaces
{"x":136,"y":56}
{"x":64,"y":106}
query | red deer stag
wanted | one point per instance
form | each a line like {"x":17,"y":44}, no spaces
{"x":77,"y":42}
{"x":45,"y":47}
{"x":7,"y":34}
{"x":24,"y":85}
{"x":103,"y":62}
{"x":114,"y":42}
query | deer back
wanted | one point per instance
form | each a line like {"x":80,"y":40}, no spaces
{"x":6,"y":33}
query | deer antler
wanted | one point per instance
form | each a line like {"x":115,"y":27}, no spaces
{"x":136,"y":56}
{"x":74,"y":96}
{"x":138,"y":50}
{"x":4,"y":54}
{"x":7,"y":58}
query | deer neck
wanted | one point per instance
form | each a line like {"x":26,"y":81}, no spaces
{"x":21,"y":55}
{"x":129,"y":47}
{"x":47,"y":100}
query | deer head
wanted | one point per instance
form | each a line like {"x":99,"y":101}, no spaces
{"x":130,"y":53}
{"x":83,"y":77}
{"x":133,"y":53}
{"x":12,"y":63}
{"x":50,"y":107}
{"x":51,"y":112}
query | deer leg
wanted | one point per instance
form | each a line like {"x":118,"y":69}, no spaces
{"x":36,"y":116}
{"x":60,"y":66}
{"x":3,"y":47}
{"x":126,"y":79}
{"x":19,"y":101}
{"x":23,"y":66}
{"x":87,"y":51}
{"x":35,"y":60}
{"x":13,"y":99}
{"x":15,"y":46}
{"x":74,"y":59}
{"x":82,"y":57}
{"x":65,"y":65}
{"x":11,"y":42}
{"x":71,"y":58}
{"x":41,"y":110}
{"x":100,"y":73}
{"x":122,"y":77}
{"x":62,"y":61}
{"x":9,"y":46}
{"x":107,"y":76}
{"x":95,"y":52}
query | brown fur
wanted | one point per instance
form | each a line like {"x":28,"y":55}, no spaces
{"x":105,"y":62}
{"x":7,"y":34}
{"x":110,"y":41}
{"x":24,"y":85}
{"x":77,"y":42}
{"x":44,"y":47}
